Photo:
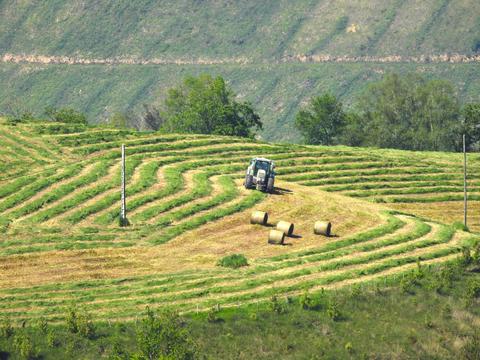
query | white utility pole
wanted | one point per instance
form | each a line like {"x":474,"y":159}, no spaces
{"x":123,"y":213}
{"x":464,"y":182}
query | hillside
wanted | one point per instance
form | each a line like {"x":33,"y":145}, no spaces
{"x":269,"y":51}
{"x":61,"y":242}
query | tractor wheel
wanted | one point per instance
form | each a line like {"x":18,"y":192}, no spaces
{"x":270,"y":185}
{"x":248,"y":181}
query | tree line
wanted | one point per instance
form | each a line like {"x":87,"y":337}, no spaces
{"x":406,"y":112}
{"x":409,"y":112}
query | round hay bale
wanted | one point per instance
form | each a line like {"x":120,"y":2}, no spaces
{"x":286,"y":227}
{"x":276,"y":237}
{"x":322,"y":228}
{"x":259,"y":217}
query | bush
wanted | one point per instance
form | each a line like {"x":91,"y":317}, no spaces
{"x":212,"y":315}
{"x":42,"y":324}
{"x":306,"y":301}
{"x":52,"y":340}
{"x":6,"y":328}
{"x":275,"y":305}
{"x":407,"y":283}
{"x":164,"y":336}
{"x":24,"y":347}
{"x":333,"y":311}
{"x":233,"y":261}
{"x":71,"y":320}
{"x":25,"y":117}
{"x":85,"y":325}
{"x":473,"y":289}
{"x":66,"y":115}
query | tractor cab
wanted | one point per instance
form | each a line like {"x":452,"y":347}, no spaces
{"x":260,"y":174}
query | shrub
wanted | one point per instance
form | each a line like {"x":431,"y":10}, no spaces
{"x":306,"y":301}
{"x":233,"y":261}
{"x":24,"y":347}
{"x":407,"y":283}
{"x":164,"y":336}
{"x":66,"y":115}
{"x":85,"y":325}
{"x":212,"y":315}
{"x":72,"y":320}
{"x":333,"y":311}
{"x":42,"y":324}
{"x":473,"y":289}
{"x":117,"y":352}
{"x":22,"y":118}
{"x":52,"y":340}
{"x":6,"y":328}
{"x":466,"y":258}
{"x":275,"y":305}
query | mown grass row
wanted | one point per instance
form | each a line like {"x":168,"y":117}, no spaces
{"x":32,"y":147}
{"x":420,"y":230}
{"x":249,"y":290}
{"x":98,"y":171}
{"x":85,"y":194}
{"x":38,"y":185}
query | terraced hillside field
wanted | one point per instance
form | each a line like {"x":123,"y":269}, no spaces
{"x":61,"y":243}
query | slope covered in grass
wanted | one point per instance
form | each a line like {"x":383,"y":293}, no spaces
{"x":61,"y":242}
{"x":218,"y":29}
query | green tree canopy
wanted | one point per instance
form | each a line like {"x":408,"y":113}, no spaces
{"x":206,"y":105}
{"x":321,"y":121}
{"x":471,"y":125}
{"x":410,"y":113}
{"x":66,"y":115}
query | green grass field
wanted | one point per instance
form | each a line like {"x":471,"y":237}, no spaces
{"x":61,"y":242}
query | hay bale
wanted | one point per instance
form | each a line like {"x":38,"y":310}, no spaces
{"x":259,"y":217}
{"x":276,"y":237}
{"x":286,"y":227}
{"x":322,"y":228}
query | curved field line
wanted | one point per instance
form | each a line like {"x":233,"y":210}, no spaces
{"x":18,"y":199}
{"x":344,"y":273}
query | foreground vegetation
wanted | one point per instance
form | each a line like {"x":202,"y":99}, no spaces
{"x":430,"y":312}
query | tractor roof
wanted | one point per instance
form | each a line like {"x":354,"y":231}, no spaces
{"x":262,"y":159}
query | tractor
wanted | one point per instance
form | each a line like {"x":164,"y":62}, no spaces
{"x":260,"y":175}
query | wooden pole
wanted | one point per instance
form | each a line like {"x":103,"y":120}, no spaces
{"x":123,"y":213}
{"x":464,"y":182}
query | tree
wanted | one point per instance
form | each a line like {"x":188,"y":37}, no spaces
{"x":206,"y":105}
{"x":66,"y":115}
{"x":164,"y":336}
{"x":471,"y":125}
{"x":321,"y":122}
{"x":410,"y":113}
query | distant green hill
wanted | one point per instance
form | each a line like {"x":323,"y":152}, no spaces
{"x":269,"y":36}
